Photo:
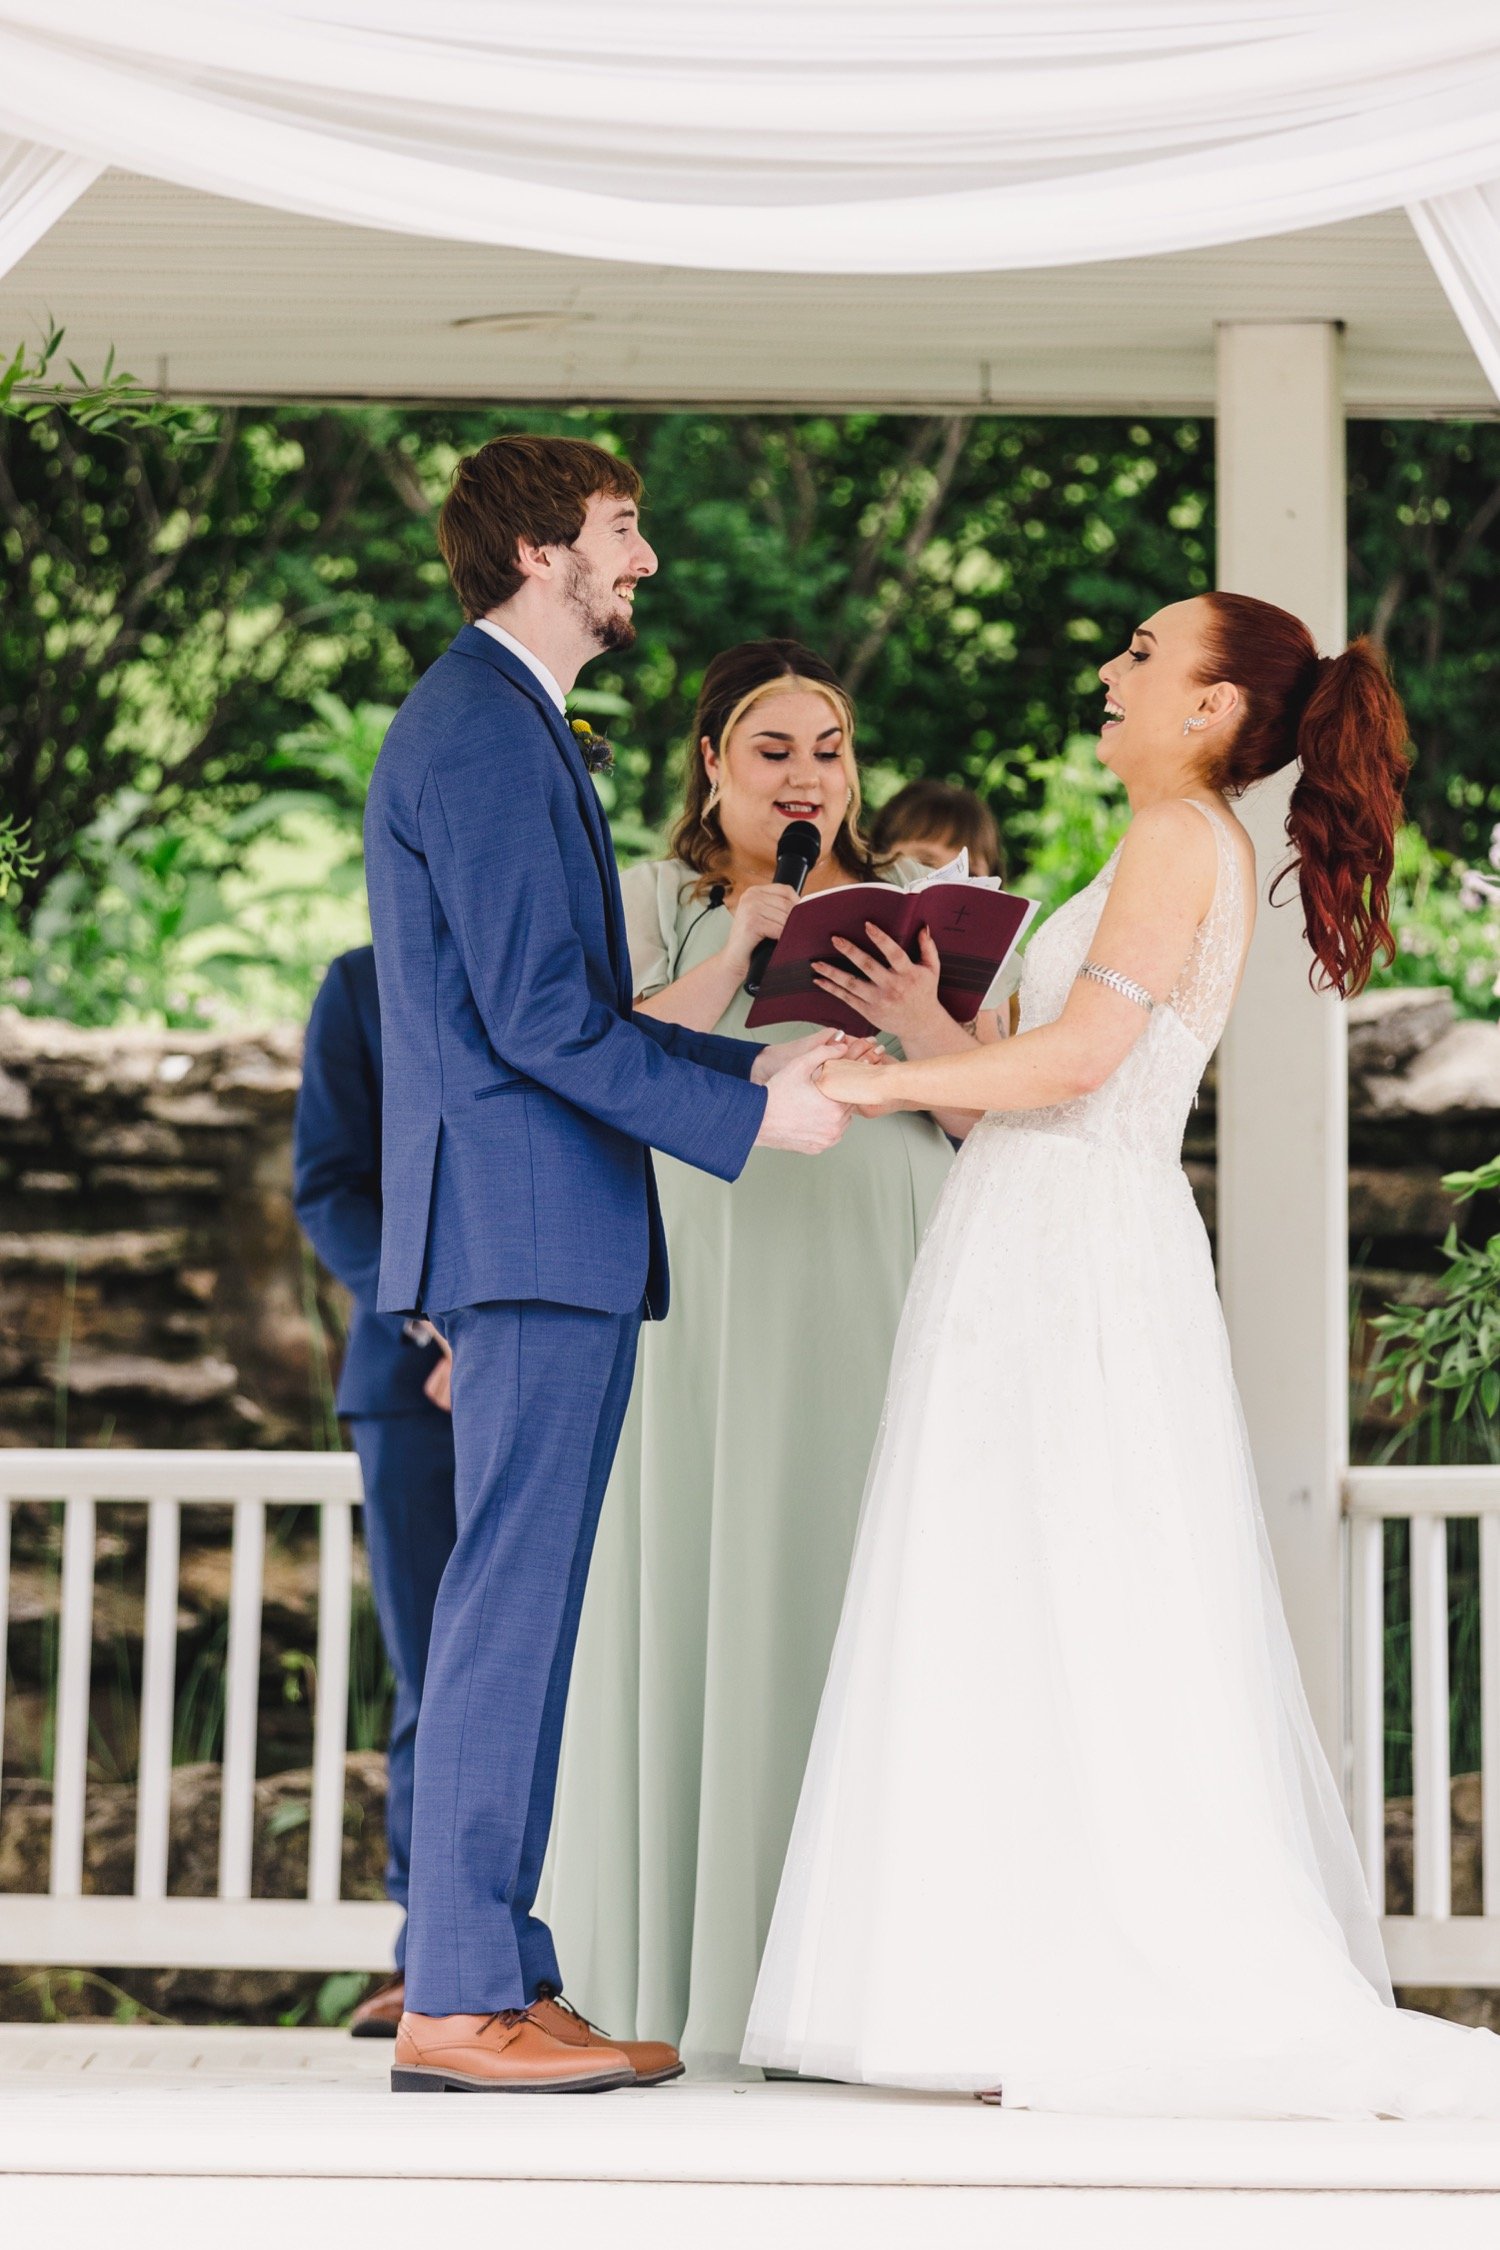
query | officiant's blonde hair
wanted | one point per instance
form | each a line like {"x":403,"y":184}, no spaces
{"x":737,"y":680}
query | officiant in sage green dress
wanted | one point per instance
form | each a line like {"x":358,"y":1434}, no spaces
{"x":729,"y":1521}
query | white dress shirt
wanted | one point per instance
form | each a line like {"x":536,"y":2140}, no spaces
{"x":532,"y":663}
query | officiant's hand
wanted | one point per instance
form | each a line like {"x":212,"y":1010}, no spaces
{"x":885,"y":986}
{"x":759,"y":912}
{"x":799,"y":1116}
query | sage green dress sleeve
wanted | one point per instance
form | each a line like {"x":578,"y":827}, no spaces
{"x":724,"y":1543}
{"x":652,"y":893}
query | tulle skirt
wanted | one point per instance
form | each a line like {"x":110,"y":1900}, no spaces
{"x":1067,"y":1828}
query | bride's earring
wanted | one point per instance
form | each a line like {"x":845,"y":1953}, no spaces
{"x":1191,"y":726}
{"x":711,"y":800}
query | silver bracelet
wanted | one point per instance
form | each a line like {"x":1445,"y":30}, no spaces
{"x":1127,"y":987}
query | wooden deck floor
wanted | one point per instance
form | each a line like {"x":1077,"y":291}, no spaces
{"x":229,"y":2137}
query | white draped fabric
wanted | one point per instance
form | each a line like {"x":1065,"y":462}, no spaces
{"x":1461,"y":235}
{"x":36,"y":186}
{"x":849,"y":136}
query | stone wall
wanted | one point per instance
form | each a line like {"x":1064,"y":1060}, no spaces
{"x":153,"y":1290}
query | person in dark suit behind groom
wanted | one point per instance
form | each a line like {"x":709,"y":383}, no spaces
{"x":523,"y":1097}
{"x":393,"y":1387}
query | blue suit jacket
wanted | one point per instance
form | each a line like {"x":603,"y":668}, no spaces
{"x":336,"y":1185}
{"x":522,"y":1094}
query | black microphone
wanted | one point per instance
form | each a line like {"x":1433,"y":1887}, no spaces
{"x":797,"y":854}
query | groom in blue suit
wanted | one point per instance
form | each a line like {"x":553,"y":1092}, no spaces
{"x":523,"y":1097}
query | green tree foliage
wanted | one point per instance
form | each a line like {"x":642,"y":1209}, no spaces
{"x":1424,"y":581}
{"x":207,"y":617}
{"x":170,"y":610}
{"x":968,"y":576}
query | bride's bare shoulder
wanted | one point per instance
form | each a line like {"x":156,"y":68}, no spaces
{"x":1172,"y":831}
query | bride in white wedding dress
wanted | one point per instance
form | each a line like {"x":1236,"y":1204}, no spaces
{"x":1067,"y":1830}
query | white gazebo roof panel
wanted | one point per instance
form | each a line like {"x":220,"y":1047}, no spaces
{"x":211,"y":298}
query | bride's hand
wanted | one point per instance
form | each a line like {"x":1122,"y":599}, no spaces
{"x":860,"y":1084}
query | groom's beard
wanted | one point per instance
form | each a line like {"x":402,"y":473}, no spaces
{"x":607,"y":628}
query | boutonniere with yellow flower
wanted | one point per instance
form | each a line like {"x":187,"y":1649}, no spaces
{"x":598,"y":755}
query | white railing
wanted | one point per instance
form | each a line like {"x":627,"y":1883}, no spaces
{"x":1432,"y":1945}
{"x":149,"y":1928}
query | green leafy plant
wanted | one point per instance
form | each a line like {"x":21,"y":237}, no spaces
{"x":1450,"y":1347}
{"x":334,"y":753}
{"x":158,"y":924}
{"x":116,"y":401}
{"x":53,"y":1989}
{"x":105,"y":944}
{"x":338,"y":1996}
{"x":372,"y":1684}
{"x":16,"y":863}
{"x":1444,"y":934}
{"x":1068,"y":833}
{"x":198,"y":1722}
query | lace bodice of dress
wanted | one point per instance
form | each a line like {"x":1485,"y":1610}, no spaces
{"x":1144,"y":1105}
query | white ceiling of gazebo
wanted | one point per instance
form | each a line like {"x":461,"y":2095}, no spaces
{"x":233,"y":300}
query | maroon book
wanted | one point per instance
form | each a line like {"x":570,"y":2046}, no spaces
{"x":975,"y":929}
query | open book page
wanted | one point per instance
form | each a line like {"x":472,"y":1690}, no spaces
{"x":974,"y":922}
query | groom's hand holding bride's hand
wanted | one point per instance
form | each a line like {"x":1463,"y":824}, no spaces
{"x":824,"y":1044}
{"x":799,"y":1115}
{"x":862,"y":1081}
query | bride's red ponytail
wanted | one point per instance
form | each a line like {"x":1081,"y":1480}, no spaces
{"x":1341,"y":718}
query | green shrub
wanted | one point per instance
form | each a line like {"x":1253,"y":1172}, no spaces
{"x":1063,"y":840}
{"x":1440,"y":938}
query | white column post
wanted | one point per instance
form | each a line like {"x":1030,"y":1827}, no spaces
{"x":1283,"y":1099}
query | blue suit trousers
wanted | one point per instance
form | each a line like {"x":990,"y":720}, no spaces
{"x":539,"y":1394}
{"x":406,"y":1461}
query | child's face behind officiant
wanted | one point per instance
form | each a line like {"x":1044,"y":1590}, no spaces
{"x":786,"y":758}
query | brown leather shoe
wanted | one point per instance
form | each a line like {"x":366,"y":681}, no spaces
{"x":505,"y":2053}
{"x":652,"y":2060}
{"x":379,"y":2012}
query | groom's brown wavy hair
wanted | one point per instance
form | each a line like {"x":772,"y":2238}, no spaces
{"x":514,"y":488}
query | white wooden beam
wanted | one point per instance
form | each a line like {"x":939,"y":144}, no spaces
{"x":199,"y":1933}
{"x":153,"y":1803}
{"x":204,"y":1479}
{"x":75,"y":1650}
{"x":1367,"y":1695}
{"x":1404,"y":1492}
{"x":1283,"y":1137}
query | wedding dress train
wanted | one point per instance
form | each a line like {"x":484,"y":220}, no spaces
{"x":1067,"y":1828}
